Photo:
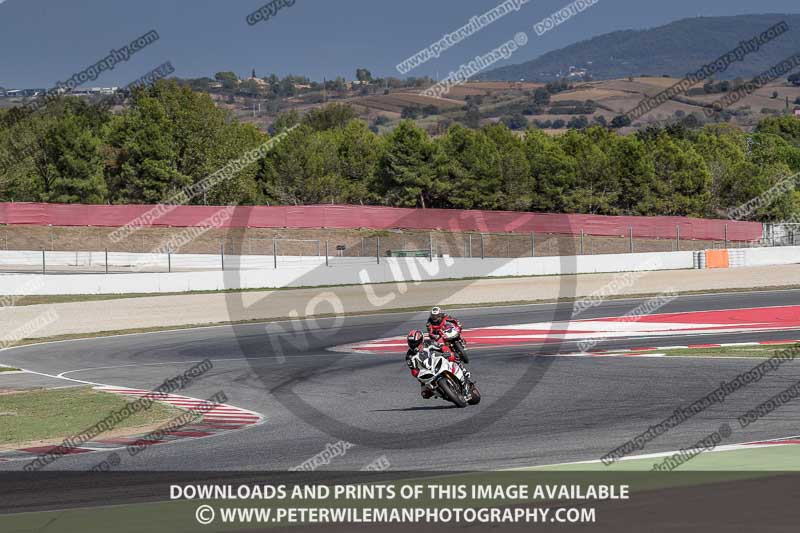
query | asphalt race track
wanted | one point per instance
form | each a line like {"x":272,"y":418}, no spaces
{"x":537,"y":409}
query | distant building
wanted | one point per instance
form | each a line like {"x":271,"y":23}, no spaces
{"x":93,"y":91}
{"x":258,"y":81}
{"x":797,"y":111}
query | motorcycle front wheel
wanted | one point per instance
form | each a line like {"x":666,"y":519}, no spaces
{"x":450,"y":392}
{"x":476,"y":396}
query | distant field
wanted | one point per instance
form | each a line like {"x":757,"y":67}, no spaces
{"x":495,"y":85}
{"x":588,"y":94}
{"x":395,"y":102}
{"x":613,"y":97}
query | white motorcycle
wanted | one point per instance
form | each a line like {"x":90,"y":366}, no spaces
{"x":445,"y":378}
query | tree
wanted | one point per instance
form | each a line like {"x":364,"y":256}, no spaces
{"x":359,"y":153}
{"x":472,"y":118}
{"x":228,"y":79}
{"x":430,"y":109}
{"x":541,"y":97}
{"x":363,"y":75}
{"x":684,"y":182}
{"x":226,"y":76}
{"x":594,"y":188}
{"x":515,"y":122}
{"x":410,"y":112}
{"x":406,"y":167}
{"x":620,"y":121}
{"x":515,"y":186}
{"x":76,"y":173}
{"x":794,"y":79}
{"x":786,"y":127}
{"x":578,"y":123}
{"x":724,"y":150}
{"x":144,"y":165}
{"x":552,"y":172}
{"x":329,"y":117}
{"x":470,"y":168}
{"x":634,"y":175}
{"x":285,"y":120}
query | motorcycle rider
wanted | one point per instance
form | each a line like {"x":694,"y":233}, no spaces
{"x":416,"y":344}
{"x":437,"y":322}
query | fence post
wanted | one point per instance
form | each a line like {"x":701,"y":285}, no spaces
{"x":44,"y":267}
{"x":726,"y":235}
{"x":430,"y":245}
{"x":678,"y":238}
{"x":581,"y":241}
{"x":169,"y":260}
{"x":378,"y":249}
{"x":319,"y":245}
{"x":326,"y":254}
{"x":483,"y":250}
{"x":106,"y":260}
{"x":630,"y":230}
{"x":274,"y":253}
{"x":222,"y":253}
{"x":533,"y":244}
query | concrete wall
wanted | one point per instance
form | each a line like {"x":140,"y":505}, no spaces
{"x":311,"y":272}
{"x":250,"y":272}
{"x":781,"y":255}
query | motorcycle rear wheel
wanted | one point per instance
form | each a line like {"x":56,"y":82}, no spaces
{"x":458,"y":346}
{"x":450,"y":393}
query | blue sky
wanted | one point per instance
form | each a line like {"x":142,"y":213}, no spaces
{"x":44,"y":41}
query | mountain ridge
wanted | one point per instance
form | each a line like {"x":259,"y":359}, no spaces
{"x":672,"y":49}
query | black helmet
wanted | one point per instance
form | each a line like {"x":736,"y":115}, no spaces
{"x":414,"y":338}
{"x":436,"y":315}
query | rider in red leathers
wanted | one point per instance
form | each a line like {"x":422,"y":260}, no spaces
{"x":437,"y":322}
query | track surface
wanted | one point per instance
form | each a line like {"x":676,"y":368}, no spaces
{"x":571,"y":409}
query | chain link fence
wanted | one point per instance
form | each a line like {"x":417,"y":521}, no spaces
{"x":90,"y":249}
{"x":781,"y":234}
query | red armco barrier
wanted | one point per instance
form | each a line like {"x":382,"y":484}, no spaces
{"x":349,"y":217}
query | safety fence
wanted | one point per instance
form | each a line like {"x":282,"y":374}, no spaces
{"x":73,"y":250}
{"x":377,"y":218}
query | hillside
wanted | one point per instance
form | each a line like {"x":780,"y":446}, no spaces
{"x":673,"y":49}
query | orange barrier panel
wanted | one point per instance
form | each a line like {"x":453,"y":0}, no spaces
{"x":717,"y":259}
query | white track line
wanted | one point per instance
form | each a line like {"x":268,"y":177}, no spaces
{"x":750,"y":445}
